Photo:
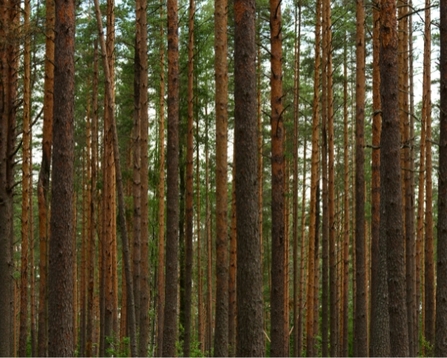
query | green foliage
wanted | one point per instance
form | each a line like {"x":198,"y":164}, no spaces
{"x":118,"y":348}
{"x":427,"y":349}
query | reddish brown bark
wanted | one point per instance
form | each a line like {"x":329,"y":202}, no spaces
{"x":278,"y":333}
{"x":172,"y":200}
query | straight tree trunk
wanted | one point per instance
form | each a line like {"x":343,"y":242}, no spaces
{"x":61,"y":254}
{"x":310,"y":337}
{"x":26,"y":180}
{"x":379,"y":326}
{"x":44,"y":175}
{"x":360,"y":320}
{"x":441,"y":292}
{"x":189,"y":212}
{"x":426,"y":106}
{"x":221,"y":337}
{"x":429,"y":290}
{"x":295,"y":233}
{"x":136,"y":187}
{"x":161,"y":199}
{"x":407,"y":172}
{"x":201,"y":318}
{"x":391,"y":225}
{"x":346,"y":207}
{"x":172,"y":203}
{"x":142,"y":48}
{"x":8,"y":93}
{"x":250,"y":337}
{"x":92,"y":210}
{"x":279,"y":342}
{"x":333,"y":279}
{"x":232,"y":309}
{"x":302,"y":281}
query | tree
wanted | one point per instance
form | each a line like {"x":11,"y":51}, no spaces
{"x":8,"y":93}
{"x":391,"y":224}
{"x":26,"y":181}
{"x":172,"y":203}
{"x":360,"y":321}
{"x":143,"y":318}
{"x":379,"y":323}
{"x":441,"y":292}
{"x":250,"y":338}
{"x":189,"y":210}
{"x":161,"y":195}
{"x":279,"y":334}
{"x":221,"y":100}
{"x":314,"y":180}
{"x":44,"y":176}
{"x":61,"y":255}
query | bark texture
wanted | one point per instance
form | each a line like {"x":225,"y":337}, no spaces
{"x":250,"y":335}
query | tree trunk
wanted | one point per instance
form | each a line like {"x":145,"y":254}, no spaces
{"x":161,"y":199}
{"x":295,"y":218}
{"x":379,"y":326}
{"x":346,"y":218}
{"x":221,"y":98}
{"x":360,"y":320}
{"x":142,"y":49}
{"x":250,"y":337}
{"x":313,"y":192}
{"x":8,"y":93}
{"x":26,"y":180}
{"x":232,"y":309}
{"x":61,"y":254}
{"x":171,"y":289}
{"x":391,"y":224}
{"x":429,"y":290}
{"x":279,"y":346}
{"x":441,"y":293}
{"x":43,"y":182}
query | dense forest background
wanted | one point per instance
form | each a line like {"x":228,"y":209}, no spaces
{"x":207,"y":218}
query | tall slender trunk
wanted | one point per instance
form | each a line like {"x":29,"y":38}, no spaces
{"x":61,"y":254}
{"x":221,"y":338}
{"x":313,"y":190}
{"x":92,"y":210}
{"x":232,"y":309}
{"x":302,"y":281}
{"x":161,"y":198}
{"x":422,"y":156}
{"x":189,"y":217}
{"x":295,"y":218}
{"x":379,"y":326}
{"x":250,"y":338}
{"x":172,"y":203}
{"x":26,"y":180}
{"x":43,"y":182}
{"x":142,"y":48}
{"x":391,"y":225}
{"x":441,"y":293}
{"x":346,"y":216}
{"x":430,"y":310}
{"x":279,"y":342}
{"x":360,"y":320}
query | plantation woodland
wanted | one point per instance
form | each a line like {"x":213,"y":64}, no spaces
{"x":216,"y":178}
